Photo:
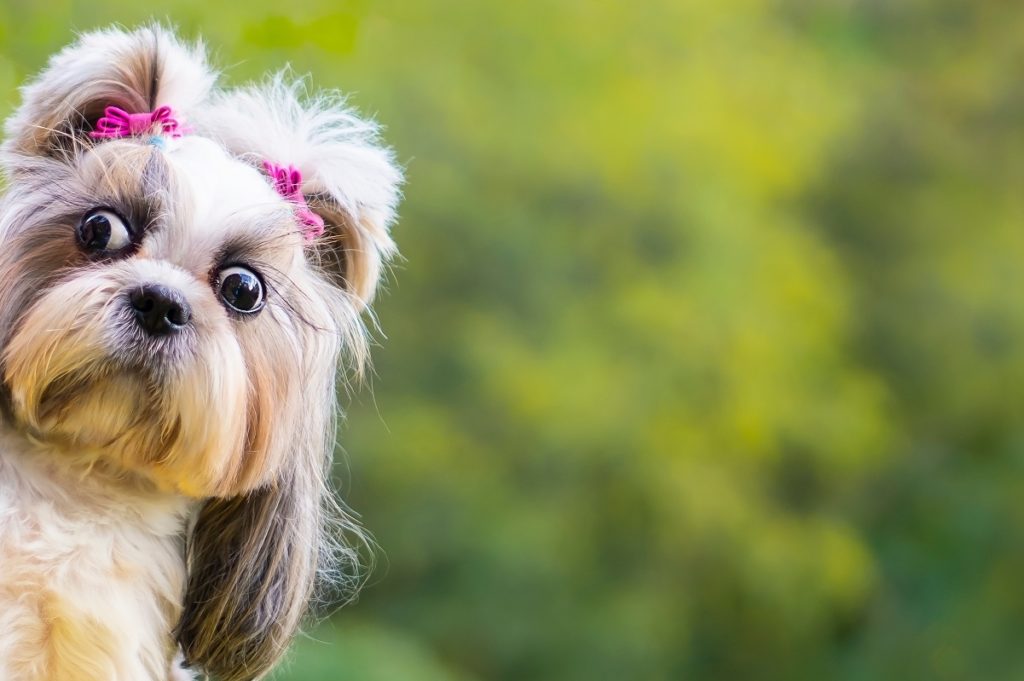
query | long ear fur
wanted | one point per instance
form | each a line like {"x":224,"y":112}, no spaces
{"x":137,"y":71}
{"x":255,"y":564}
{"x":246,"y":562}
{"x":349,"y":179}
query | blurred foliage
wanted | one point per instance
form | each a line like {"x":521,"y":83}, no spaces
{"x":707,"y":357}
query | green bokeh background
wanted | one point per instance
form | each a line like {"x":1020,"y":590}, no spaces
{"x":706,"y":360}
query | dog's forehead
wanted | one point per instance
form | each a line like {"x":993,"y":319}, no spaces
{"x":216,"y":185}
{"x":213,"y":201}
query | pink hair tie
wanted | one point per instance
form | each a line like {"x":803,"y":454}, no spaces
{"x":116,"y":122}
{"x":288,"y":183}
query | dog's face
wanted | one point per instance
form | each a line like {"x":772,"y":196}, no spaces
{"x":166,"y":314}
{"x":173,"y":324}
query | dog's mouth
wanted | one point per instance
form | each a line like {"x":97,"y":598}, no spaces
{"x":94,"y":408}
{"x":134,"y":370}
{"x":60,"y":394}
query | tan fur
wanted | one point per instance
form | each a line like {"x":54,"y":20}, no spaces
{"x":79,"y":645}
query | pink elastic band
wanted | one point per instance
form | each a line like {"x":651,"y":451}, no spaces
{"x":116,"y":122}
{"x":288,"y":183}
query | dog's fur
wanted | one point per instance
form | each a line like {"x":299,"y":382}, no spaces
{"x":167,"y":497}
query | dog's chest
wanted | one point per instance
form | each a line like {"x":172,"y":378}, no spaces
{"x":90,"y":586}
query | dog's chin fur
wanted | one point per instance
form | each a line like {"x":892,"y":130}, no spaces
{"x":166,"y":497}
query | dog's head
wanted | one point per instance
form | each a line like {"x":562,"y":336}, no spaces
{"x":181,"y":269}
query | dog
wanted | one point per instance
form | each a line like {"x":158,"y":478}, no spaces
{"x":183,"y":270}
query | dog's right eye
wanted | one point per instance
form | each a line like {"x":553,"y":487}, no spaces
{"x":103,"y":230}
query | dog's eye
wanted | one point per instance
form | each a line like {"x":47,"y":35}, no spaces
{"x":240,"y":289}
{"x":103,"y":230}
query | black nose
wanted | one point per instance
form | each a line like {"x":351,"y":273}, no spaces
{"x":160,"y":310}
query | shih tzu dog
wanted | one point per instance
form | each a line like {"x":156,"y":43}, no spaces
{"x":182,"y":270}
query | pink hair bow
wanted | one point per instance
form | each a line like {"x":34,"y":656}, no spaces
{"x":288,"y":183}
{"x":116,"y":122}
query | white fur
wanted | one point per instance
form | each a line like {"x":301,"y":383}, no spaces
{"x":186,"y":81}
{"x":336,"y":151}
{"x":92,"y":574}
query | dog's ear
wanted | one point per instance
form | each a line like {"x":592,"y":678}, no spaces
{"x":251,"y":574}
{"x":137,"y":71}
{"x":348,"y":178}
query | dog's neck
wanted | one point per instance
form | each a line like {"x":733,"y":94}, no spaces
{"x":84,"y":478}
{"x":93,"y":568}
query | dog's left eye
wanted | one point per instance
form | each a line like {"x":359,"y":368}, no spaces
{"x":103,"y":230}
{"x":240,"y":289}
